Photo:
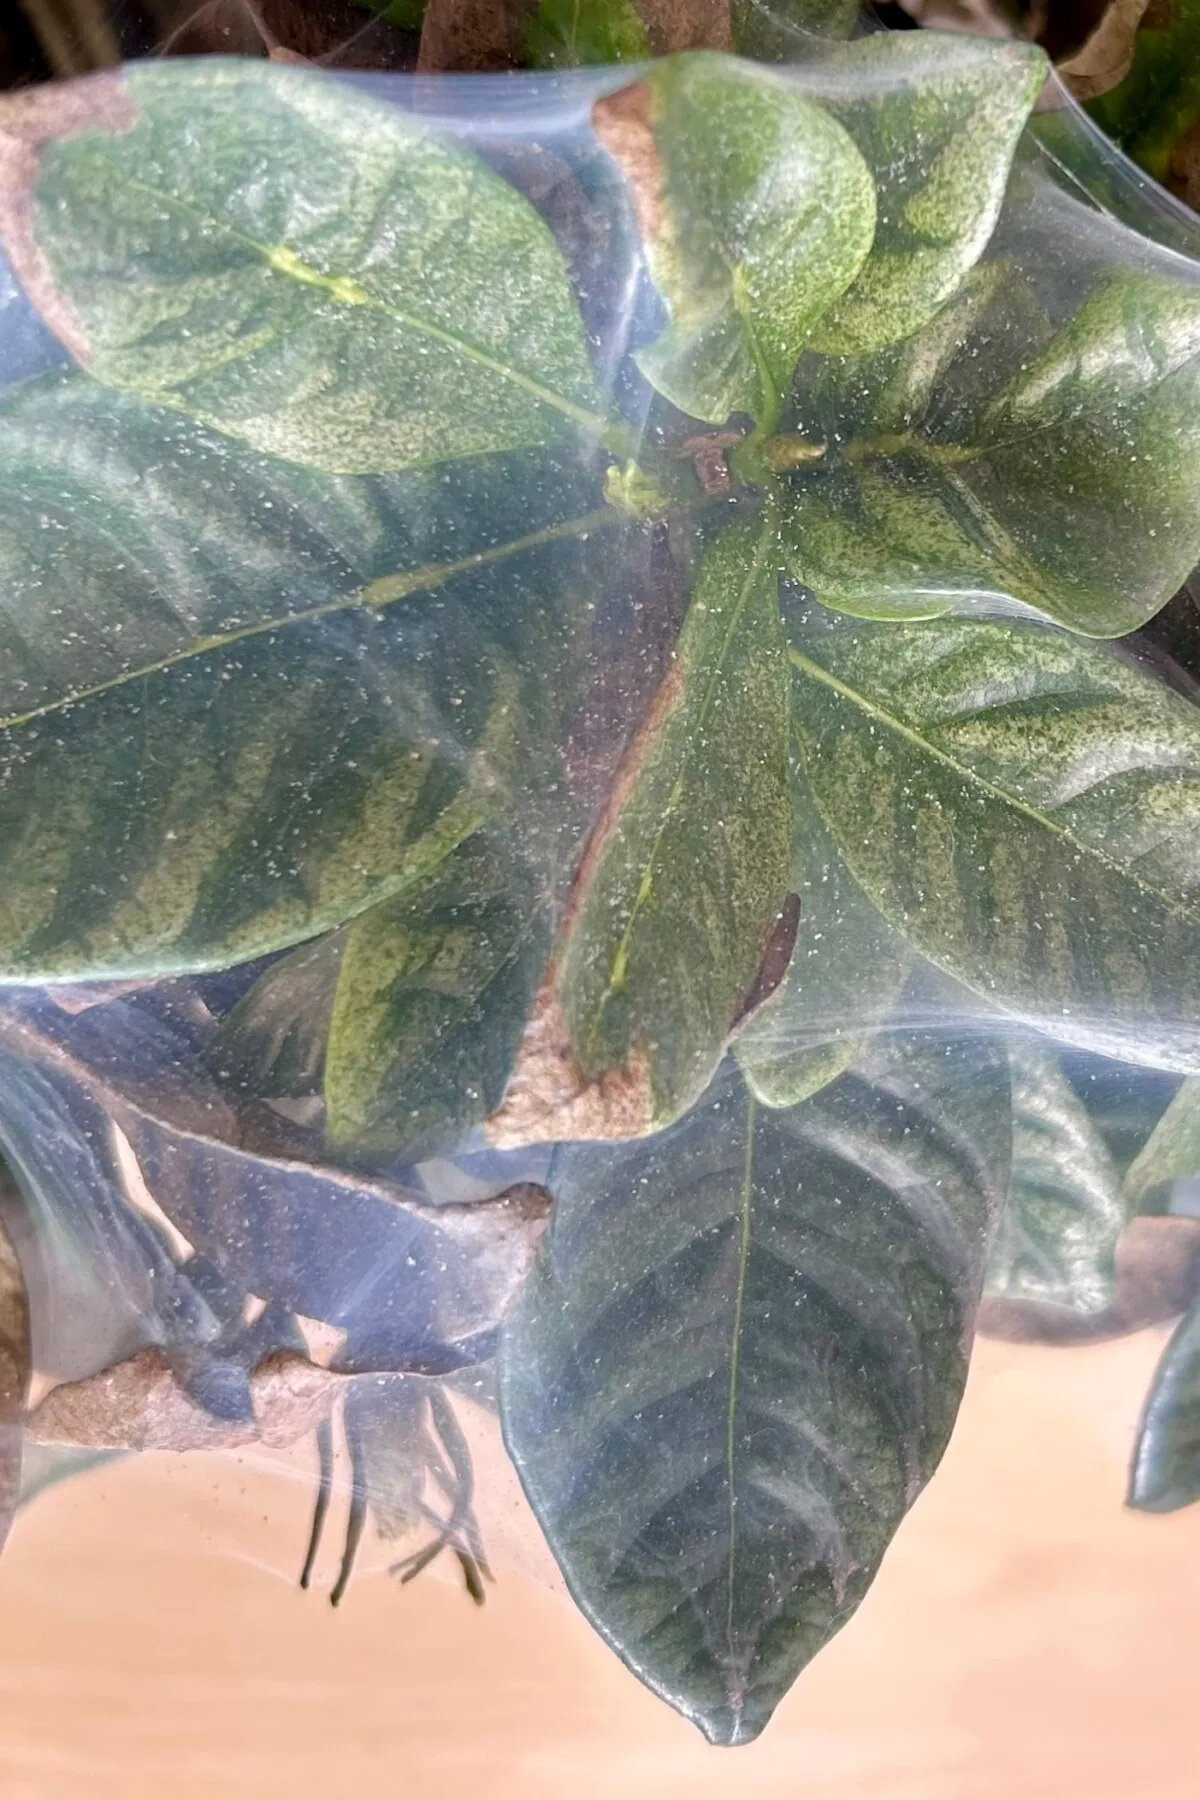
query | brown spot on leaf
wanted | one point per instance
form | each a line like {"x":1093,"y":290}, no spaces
{"x":28,"y":120}
{"x":778,"y":945}
{"x":549,"y":1099}
{"x":622,"y":123}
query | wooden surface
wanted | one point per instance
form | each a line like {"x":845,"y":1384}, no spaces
{"x":1027,"y":1638}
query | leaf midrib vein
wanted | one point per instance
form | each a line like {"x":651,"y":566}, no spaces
{"x":592,"y":422}
{"x":971,"y":776}
{"x":384,"y":591}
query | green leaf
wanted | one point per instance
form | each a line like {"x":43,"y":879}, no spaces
{"x":1152,"y":113}
{"x":565,"y":34}
{"x":1023,"y":806}
{"x":1053,"y":467}
{"x":299,"y":265}
{"x":432,"y":994}
{"x":1165,"y":1471}
{"x":248,"y":798}
{"x":1123,"y":1101}
{"x":739,"y":1357}
{"x":846,"y":971}
{"x":1058,"y":1233}
{"x":756,"y":212}
{"x":271,"y":1045}
{"x":1171,"y":1152}
{"x":783,"y":30}
{"x":131,"y":538}
{"x":937,"y":120}
{"x":684,"y":874}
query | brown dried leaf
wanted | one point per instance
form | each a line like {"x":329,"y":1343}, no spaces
{"x":1107,"y":56}
{"x":139,"y":1404}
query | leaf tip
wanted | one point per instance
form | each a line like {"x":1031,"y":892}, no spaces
{"x":549,"y":1099}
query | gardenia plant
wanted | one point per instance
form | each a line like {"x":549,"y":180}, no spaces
{"x":622,"y":677}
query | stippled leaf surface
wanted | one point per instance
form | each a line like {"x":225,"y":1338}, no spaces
{"x":132,"y":537}
{"x":1058,"y":1233}
{"x":432,"y":993}
{"x":250,"y":797}
{"x":1022,"y":806}
{"x":937,"y":120}
{"x":316,"y":273}
{"x":739,"y":1357}
{"x":749,"y":246}
{"x":1165,"y":1472}
{"x":1172,"y":1150}
{"x":681,"y":882}
{"x":997,"y":455}
{"x":846,"y":971}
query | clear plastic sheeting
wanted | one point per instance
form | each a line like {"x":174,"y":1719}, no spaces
{"x":599,"y":784}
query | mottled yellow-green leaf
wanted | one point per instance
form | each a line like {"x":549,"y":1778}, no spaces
{"x":937,"y":120}
{"x":756,"y":212}
{"x":298,"y":264}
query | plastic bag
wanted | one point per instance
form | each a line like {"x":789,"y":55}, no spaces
{"x":597,"y":795}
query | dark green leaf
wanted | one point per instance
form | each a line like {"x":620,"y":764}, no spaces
{"x":563,"y":34}
{"x":1058,"y":1233}
{"x":433,"y":992}
{"x":783,"y":30}
{"x":846,"y":971}
{"x":1153,"y":112}
{"x":1002,"y":457}
{"x":296,"y":263}
{"x":1023,"y":806}
{"x":739,"y":1357}
{"x":682,"y":879}
{"x":937,"y":120}
{"x":1123,"y":1101}
{"x":749,"y":246}
{"x":131,"y":538}
{"x":1171,"y":1152}
{"x":248,"y":798}
{"x":271,"y":1045}
{"x":1165,"y":1473}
